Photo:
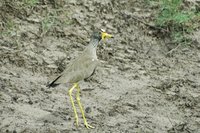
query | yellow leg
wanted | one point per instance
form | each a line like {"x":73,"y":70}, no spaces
{"x":80,"y":106}
{"x":72,"y":102}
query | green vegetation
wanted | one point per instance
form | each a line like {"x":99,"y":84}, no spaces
{"x":48,"y":22}
{"x":15,"y":8}
{"x":53,"y":19}
{"x":8,"y":27}
{"x":30,"y":3}
{"x":177,"y":19}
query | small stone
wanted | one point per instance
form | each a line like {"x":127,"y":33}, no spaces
{"x":30,"y":102}
{"x":88,"y":110}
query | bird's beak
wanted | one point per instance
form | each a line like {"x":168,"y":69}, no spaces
{"x":105,"y":35}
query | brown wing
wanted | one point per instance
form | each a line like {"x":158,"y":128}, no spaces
{"x":78,"y":70}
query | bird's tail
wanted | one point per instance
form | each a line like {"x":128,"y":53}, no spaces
{"x":53,"y":83}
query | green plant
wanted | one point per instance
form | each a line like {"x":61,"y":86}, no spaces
{"x":176,"y":19}
{"x":47,"y":23}
{"x":53,"y":21}
{"x":8,"y":27}
{"x":30,"y":3}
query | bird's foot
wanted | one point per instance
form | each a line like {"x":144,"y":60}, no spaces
{"x":88,"y":126}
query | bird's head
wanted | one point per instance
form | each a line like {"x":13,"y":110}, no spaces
{"x":105,"y":35}
{"x":101,"y":35}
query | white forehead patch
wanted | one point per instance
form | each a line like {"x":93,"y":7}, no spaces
{"x":103,"y":30}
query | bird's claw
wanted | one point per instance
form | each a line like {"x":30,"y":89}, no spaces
{"x":88,"y":126}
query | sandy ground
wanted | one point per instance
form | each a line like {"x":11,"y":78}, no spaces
{"x":139,"y":86}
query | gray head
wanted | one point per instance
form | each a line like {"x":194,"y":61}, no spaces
{"x":96,"y":35}
{"x":100,"y":34}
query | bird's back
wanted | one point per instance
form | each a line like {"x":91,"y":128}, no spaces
{"x":80,"y":68}
{"x":77,"y":70}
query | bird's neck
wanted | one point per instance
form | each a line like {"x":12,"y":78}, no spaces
{"x":91,"y":48}
{"x":93,"y":43}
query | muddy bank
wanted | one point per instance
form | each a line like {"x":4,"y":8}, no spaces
{"x":137,"y":87}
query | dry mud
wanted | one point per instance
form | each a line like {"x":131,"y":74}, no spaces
{"x":138,"y":87}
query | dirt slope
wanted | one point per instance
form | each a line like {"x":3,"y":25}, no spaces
{"x":138,"y":87}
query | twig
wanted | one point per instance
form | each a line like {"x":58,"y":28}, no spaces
{"x":32,"y":21}
{"x":151,"y":26}
{"x":38,"y":36}
{"x":149,"y":49}
{"x":172,"y":50}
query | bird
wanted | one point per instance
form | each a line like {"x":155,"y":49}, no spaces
{"x":79,"y":69}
